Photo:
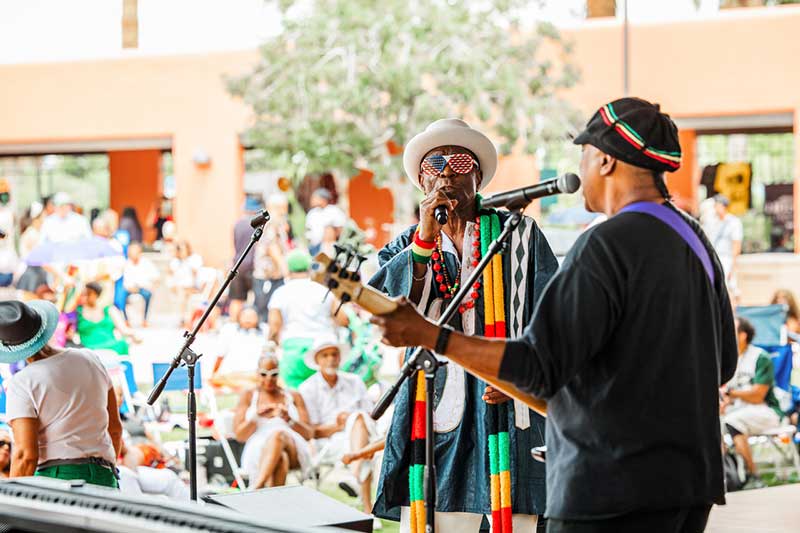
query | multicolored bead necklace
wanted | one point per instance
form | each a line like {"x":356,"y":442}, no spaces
{"x":441,"y":276}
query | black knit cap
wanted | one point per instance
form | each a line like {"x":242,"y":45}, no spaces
{"x":636,"y":132}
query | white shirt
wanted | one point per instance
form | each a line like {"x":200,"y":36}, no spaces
{"x":73,"y":227}
{"x":305,"y":314}
{"x":240,"y":348}
{"x":141,"y":275}
{"x":722,"y":234}
{"x":68,"y":394}
{"x":324,"y":403}
{"x":319,"y":218}
{"x":184,"y":271}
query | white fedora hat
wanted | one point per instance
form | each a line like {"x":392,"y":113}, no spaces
{"x":450,"y":132}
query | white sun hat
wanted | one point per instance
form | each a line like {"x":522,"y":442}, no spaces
{"x":450,"y":132}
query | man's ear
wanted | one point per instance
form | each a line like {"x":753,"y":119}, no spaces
{"x":607,"y":164}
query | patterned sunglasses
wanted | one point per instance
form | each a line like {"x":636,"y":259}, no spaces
{"x":459,"y":163}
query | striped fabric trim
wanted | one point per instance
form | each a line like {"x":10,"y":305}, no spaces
{"x":421,"y":251}
{"x":672,"y":159}
{"x":499,"y":446}
{"x":416,"y":472}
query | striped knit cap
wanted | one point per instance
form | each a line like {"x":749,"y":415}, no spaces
{"x":636,"y":132}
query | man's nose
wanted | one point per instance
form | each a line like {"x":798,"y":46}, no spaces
{"x":447,"y":171}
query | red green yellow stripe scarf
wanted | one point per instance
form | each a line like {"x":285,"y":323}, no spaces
{"x":495,"y":326}
{"x":416,"y":493}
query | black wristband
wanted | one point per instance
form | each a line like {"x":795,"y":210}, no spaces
{"x":443,"y":339}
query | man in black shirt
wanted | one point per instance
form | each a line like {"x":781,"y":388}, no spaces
{"x":629,"y":344}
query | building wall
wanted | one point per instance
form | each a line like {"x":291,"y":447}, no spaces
{"x":740,"y":62}
{"x":136,"y":182}
{"x":182,"y":98}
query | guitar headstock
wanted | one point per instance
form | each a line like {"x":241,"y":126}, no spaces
{"x":341,"y":276}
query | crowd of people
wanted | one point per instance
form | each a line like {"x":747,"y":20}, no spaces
{"x":281,"y":341}
{"x":303,"y":366}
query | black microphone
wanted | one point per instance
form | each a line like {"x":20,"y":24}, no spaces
{"x":440,"y":214}
{"x":260,"y":219}
{"x":519,"y":198}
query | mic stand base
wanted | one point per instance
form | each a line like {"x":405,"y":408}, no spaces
{"x":421,"y":359}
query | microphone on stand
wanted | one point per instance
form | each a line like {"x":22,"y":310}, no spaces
{"x":519,"y":198}
{"x":260,"y":219}
{"x":440,"y":214}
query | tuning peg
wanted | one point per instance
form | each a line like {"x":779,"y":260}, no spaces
{"x":356,"y":275}
{"x":345,"y":298}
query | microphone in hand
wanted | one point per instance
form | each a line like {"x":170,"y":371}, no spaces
{"x":440,"y":214}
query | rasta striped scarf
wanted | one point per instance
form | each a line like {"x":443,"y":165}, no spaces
{"x":497,"y":419}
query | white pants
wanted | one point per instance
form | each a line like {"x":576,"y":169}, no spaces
{"x":468,"y":522}
{"x":752,"y":419}
{"x":146,"y":480}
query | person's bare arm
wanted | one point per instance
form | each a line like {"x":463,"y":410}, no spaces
{"x":755,"y":394}
{"x":25,"y":456}
{"x":114,"y":423}
{"x":302,"y":425}
{"x":326,"y":430}
{"x":480,"y":356}
{"x":275,"y":322}
{"x":243,"y":428}
{"x":119,"y":322}
{"x":364,"y":453}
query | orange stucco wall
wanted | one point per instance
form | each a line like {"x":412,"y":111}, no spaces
{"x":179,"y":97}
{"x":136,"y":182}
{"x":741,"y":61}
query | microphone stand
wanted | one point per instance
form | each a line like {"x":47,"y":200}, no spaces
{"x":189,"y":358}
{"x":423,"y":360}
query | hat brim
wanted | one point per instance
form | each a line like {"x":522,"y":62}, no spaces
{"x":583,"y":137}
{"x":473,"y":140}
{"x":310,"y":357}
{"x":49,"y":315}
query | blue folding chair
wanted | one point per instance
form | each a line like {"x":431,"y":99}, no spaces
{"x":771,"y":336}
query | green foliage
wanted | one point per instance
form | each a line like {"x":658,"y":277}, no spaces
{"x":346,"y":76}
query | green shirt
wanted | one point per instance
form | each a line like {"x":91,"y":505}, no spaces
{"x":755,"y":368}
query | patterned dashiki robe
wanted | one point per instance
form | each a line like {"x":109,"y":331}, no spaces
{"x":462,"y":460}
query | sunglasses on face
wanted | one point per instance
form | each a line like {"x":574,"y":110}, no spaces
{"x":459,"y":163}
{"x":5,"y":443}
{"x":268,"y":373}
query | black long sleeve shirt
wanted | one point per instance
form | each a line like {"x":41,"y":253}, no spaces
{"x":629,"y":343}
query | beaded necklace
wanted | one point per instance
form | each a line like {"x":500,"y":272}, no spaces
{"x":448,"y":289}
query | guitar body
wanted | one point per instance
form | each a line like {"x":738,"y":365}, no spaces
{"x":342,"y":285}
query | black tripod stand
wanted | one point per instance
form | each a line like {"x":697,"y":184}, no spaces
{"x":189,"y":358}
{"x":424,"y":360}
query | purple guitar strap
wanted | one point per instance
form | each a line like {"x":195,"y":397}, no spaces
{"x":681,"y":227}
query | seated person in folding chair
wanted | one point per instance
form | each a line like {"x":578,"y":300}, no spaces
{"x":241,"y":344}
{"x":337,"y":405}
{"x":136,"y":477}
{"x":273,"y":423}
{"x":749,"y":406}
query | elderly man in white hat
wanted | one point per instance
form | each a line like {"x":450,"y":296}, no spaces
{"x":338,"y":408}
{"x":65,"y":225}
{"x":450,"y":162}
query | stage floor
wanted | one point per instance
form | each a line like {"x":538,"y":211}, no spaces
{"x":772,"y":510}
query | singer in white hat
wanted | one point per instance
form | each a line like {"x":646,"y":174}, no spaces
{"x":450,"y":162}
